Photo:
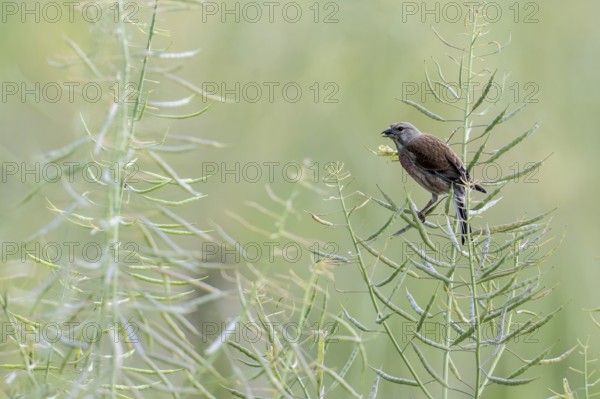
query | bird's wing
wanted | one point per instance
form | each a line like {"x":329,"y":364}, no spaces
{"x":457,"y":165}
{"x":432,"y":154}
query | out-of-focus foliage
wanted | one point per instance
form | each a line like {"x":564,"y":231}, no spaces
{"x":350,"y":60}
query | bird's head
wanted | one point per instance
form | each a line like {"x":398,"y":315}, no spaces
{"x":401,"y":132}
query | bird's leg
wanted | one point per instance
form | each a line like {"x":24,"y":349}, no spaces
{"x":426,"y":208}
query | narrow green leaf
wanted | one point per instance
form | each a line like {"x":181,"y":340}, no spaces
{"x":460,"y":70}
{"x":63,"y":152}
{"x":162,"y":281}
{"x":385,"y":260}
{"x":454,"y":370}
{"x":499,"y":152}
{"x":174,"y":203}
{"x":392,"y":306}
{"x":393,"y":275}
{"x":484,"y":93}
{"x":419,"y":225}
{"x":433,"y":260}
{"x":499,"y":291}
{"x":428,"y":367}
{"x":349,"y":361}
{"x":491,"y":268}
{"x":320,"y":360}
{"x":383,"y":228}
{"x":188,"y":116}
{"x":322,"y":255}
{"x":487,"y":199}
{"x":198,"y":141}
{"x":438,"y":66}
{"x":9,"y":366}
{"x":432,"y":342}
{"x":195,"y":89}
{"x":427,"y":309}
{"x":530,"y":325}
{"x":557,"y":359}
{"x":310,"y":296}
{"x":423,"y":110}
{"x":529,"y":364}
{"x":506,"y":381}
{"x":84,"y":57}
{"x":505,"y":228}
{"x":177,"y":232}
{"x":44,"y":262}
{"x":444,"y":85}
{"x":477,"y":155}
{"x":395,"y":380}
{"x":568,"y":390}
{"x":172,"y":104}
{"x":428,"y":269}
{"x":464,"y":335}
{"x":243,"y":395}
{"x":509,"y":305}
{"x":374,"y":388}
{"x":513,"y":113}
{"x":175,"y":55}
{"x":497,"y":120}
{"x":430,"y":86}
{"x":413,"y":303}
{"x":378,"y":202}
{"x":340,"y":381}
{"x":388,"y":198}
{"x":450,"y":90}
{"x":521,"y":173}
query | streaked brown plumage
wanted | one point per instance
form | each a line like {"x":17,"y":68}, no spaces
{"x":435,"y":166}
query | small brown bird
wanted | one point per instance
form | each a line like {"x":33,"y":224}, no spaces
{"x":433,"y":164}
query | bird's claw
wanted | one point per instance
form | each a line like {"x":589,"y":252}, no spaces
{"x":421,"y":216}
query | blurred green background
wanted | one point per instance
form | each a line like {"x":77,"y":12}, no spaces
{"x":351,"y":60}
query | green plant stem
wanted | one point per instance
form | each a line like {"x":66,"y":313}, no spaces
{"x":363,"y":272}
{"x":454,"y":254}
{"x":502,"y":347}
{"x":585,"y":372}
{"x":476,"y":317}
{"x":447,"y":341}
{"x":141,"y":80}
{"x":124,"y":135}
{"x":466,"y":112}
{"x":115,"y":195}
{"x":473,"y":280}
{"x":306,"y":303}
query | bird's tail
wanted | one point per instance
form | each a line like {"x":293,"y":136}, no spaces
{"x":461,"y":210}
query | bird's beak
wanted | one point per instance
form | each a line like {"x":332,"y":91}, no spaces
{"x":387,"y":133}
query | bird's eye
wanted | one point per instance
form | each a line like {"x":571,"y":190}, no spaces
{"x":400,"y":128}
